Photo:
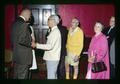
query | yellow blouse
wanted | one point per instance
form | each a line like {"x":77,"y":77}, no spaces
{"x":75,"y":41}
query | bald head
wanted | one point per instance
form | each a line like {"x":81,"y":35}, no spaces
{"x":26,"y":13}
{"x":74,"y":23}
{"x":112,"y":21}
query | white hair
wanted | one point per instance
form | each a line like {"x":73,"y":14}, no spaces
{"x":56,"y":18}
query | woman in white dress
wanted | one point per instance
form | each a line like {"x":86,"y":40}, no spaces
{"x":34,"y":64}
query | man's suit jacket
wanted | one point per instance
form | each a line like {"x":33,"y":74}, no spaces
{"x":111,"y":34}
{"x":21,"y":42}
{"x":64,"y":32}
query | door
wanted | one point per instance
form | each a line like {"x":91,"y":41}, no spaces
{"x":41,"y":14}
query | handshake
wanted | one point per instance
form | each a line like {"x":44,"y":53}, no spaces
{"x":33,"y":44}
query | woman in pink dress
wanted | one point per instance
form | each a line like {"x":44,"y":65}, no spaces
{"x":98,"y":50}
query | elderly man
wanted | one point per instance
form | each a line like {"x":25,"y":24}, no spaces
{"x":52,"y":47}
{"x":74,"y":47}
{"x":21,"y":43}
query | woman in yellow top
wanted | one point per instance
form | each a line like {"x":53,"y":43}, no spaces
{"x":74,"y":47}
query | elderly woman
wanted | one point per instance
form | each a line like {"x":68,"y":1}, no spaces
{"x":98,"y":51}
{"x":74,"y":47}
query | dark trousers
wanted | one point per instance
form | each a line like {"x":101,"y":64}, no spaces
{"x":21,"y":71}
{"x":61,"y":68}
{"x":112,"y":67}
{"x":112,"y":71}
{"x":61,"y":72}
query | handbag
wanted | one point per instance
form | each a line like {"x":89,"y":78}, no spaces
{"x":98,"y":67}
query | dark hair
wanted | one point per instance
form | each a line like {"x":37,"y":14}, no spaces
{"x":59,"y":16}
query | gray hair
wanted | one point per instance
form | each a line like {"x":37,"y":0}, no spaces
{"x":102,"y":25}
{"x":56,"y":18}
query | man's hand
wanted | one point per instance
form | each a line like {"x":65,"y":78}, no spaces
{"x":76,"y":58}
{"x":33,"y":44}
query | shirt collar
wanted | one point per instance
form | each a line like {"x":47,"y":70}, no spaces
{"x":53,"y":28}
{"x":22,"y":17}
{"x":74,"y":30}
{"x":112,"y":27}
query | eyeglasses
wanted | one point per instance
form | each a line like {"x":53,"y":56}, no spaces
{"x":51,"y":19}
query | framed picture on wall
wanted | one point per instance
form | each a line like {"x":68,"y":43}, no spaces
{"x":45,"y":14}
{"x":35,"y":12}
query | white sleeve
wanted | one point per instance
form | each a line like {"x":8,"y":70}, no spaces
{"x":50,"y":43}
{"x":32,"y":34}
{"x":44,"y":46}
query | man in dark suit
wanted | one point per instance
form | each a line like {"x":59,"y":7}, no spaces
{"x":61,"y":66}
{"x":22,"y":45}
{"x":110,"y":33}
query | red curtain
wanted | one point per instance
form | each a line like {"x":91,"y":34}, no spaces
{"x":88,"y":14}
{"x":19,"y":8}
{"x":9,"y":18}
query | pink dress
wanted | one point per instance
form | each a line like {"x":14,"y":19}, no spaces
{"x":99,"y":46}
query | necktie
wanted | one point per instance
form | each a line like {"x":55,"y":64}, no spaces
{"x":109,"y":30}
{"x":48,"y":32}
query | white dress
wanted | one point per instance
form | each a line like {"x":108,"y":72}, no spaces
{"x":88,"y":76}
{"x":34,"y":64}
